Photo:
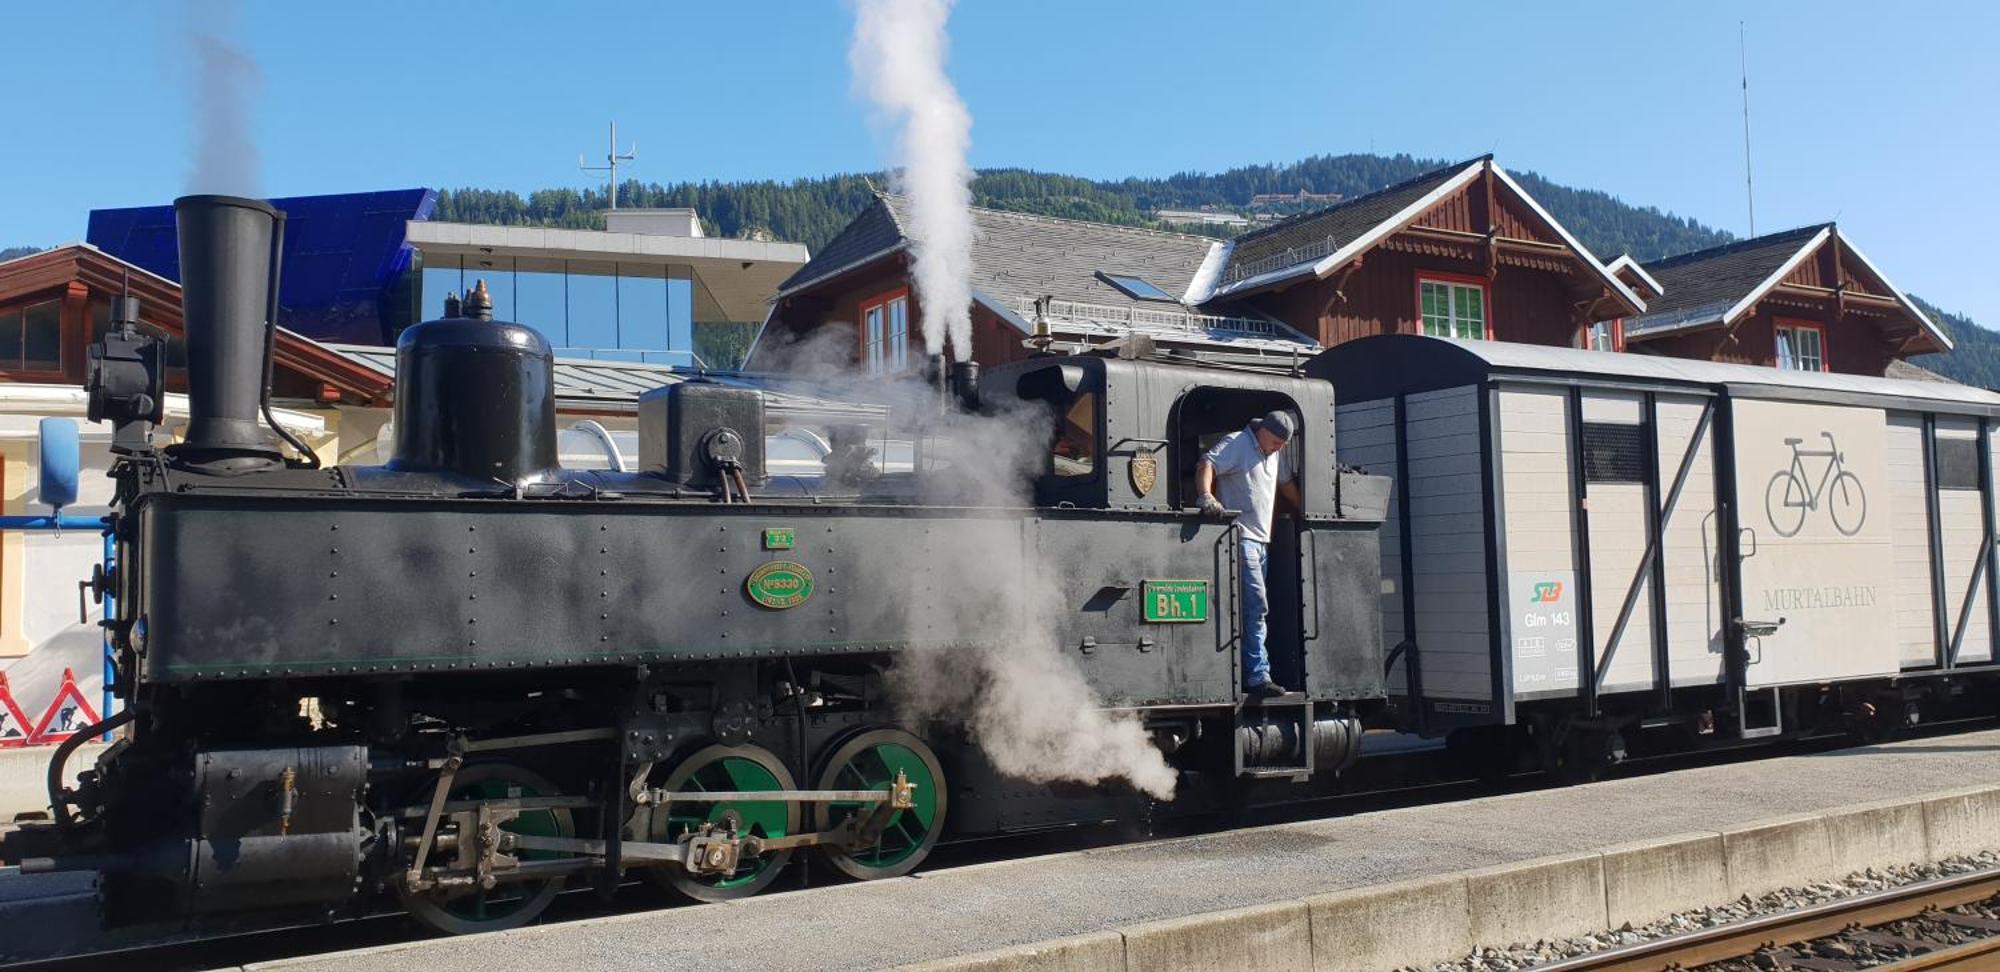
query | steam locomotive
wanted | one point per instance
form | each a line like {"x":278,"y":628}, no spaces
{"x":468,"y":678}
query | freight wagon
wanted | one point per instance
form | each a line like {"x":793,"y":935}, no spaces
{"x":1585,"y":545}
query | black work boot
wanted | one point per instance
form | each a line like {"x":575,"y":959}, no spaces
{"x":1265,"y":690}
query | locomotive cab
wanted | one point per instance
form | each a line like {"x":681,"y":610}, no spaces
{"x":1126,"y":435}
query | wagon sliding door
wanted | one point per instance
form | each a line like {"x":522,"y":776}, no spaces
{"x":1815,"y":508}
{"x":1649,"y":481}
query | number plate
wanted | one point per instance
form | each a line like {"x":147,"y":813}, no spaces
{"x":1174,"y":601}
{"x":778,"y":538}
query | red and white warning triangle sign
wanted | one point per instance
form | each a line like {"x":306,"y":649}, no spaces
{"x":68,"y":712}
{"x":14,"y":726}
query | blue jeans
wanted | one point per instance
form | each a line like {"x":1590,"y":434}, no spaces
{"x":1252,"y":556}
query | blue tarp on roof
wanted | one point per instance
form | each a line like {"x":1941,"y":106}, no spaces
{"x":344,"y":261}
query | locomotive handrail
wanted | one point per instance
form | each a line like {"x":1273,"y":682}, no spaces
{"x":1312,"y":540}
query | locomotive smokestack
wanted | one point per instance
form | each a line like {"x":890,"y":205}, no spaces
{"x":226,"y":256}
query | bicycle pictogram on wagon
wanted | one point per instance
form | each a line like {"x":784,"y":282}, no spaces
{"x":1794,"y":493}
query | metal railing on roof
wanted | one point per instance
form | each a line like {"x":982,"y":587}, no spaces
{"x":1290,"y":257}
{"x":629,"y":356}
{"x":1147,"y":319}
{"x":1674,"y":320}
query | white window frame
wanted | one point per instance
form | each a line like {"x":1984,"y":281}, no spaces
{"x":899,"y":333}
{"x":1455,"y":325}
{"x":1791,"y":351}
{"x":873,"y":316}
{"x":1605,"y":336}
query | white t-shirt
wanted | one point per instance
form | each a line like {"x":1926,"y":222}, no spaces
{"x":1246,"y":479}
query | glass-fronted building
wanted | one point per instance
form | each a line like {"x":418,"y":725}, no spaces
{"x":643,"y":291}
{"x":361,"y":267}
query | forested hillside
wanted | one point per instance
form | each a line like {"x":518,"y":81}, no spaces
{"x":810,"y":211}
{"x":1975,"y":360}
{"x":10,"y":252}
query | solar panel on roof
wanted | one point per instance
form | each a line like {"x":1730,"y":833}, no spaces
{"x":1135,"y":287}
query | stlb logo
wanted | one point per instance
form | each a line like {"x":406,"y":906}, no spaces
{"x":1547,"y":592}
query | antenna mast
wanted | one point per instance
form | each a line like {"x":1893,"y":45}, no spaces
{"x":611,"y":160}
{"x":1749,"y":191}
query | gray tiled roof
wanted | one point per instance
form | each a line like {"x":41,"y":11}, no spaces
{"x":1017,"y":255}
{"x":1314,"y":235}
{"x":874,"y":232}
{"x":1703,"y":285}
{"x":1898,"y":368}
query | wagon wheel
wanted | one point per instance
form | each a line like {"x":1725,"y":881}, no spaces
{"x":464,"y":911}
{"x":870,"y":761}
{"x":727,"y":768}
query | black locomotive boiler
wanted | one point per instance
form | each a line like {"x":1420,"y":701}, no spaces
{"x":468,"y":678}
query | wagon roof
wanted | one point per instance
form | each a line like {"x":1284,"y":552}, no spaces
{"x":1385,"y":365}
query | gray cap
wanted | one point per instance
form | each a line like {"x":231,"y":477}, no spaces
{"x":1277,"y":423}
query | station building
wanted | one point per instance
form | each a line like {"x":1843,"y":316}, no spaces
{"x":1463,"y":251}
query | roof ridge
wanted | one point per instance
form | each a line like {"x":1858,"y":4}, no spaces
{"x":1364,"y":197}
{"x":1735,"y":246}
{"x":1095,"y":224}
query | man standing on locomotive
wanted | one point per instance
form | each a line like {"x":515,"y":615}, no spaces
{"x":1251,"y":469}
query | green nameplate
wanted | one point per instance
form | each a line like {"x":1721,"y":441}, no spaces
{"x":1174,"y":601}
{"x":778,"y":538}
{"x":779,"y":584}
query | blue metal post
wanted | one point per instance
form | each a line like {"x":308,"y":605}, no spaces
{"x":109,"y":614}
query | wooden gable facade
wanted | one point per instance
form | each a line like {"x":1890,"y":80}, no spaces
{"x":56,"y":303}
{"x":1462,"y":252}
{"x":1804,"y":299}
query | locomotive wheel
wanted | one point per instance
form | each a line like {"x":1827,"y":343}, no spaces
{"x":744,"y":768}
{"x":870,"y":761}
{"x":463,"y":911}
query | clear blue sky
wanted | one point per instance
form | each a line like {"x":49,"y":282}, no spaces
{"x":1882,"y":116}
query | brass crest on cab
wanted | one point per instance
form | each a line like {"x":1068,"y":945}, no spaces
{"x":1145,"y":470}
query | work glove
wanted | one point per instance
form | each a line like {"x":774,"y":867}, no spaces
{"x":1211,"y":507}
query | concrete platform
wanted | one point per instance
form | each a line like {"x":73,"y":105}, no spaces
{"x":24,"y":776}
{"x":1314,"y":894}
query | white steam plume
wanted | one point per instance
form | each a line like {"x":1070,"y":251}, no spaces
{"x":225,"y":79}
{"x":898,"y":58}
{"x":1013,"y":690}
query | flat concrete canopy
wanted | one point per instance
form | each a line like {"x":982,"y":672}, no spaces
{"x":932,"y":915}
{"x":735,"y":278}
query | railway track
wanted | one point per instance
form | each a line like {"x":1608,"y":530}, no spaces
{"x":1879,"y":930}
{"x":1420,"y":777}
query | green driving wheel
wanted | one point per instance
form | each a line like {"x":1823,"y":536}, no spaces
{"x":727,"y":769}
{"x":463,"y":911}
{"x":871,"y":761}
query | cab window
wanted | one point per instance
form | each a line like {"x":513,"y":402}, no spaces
{"x":1073,"y":406}
{"x":1075,"y":452}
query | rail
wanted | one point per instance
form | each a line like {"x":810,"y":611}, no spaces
{"x":1289,"y":257}
{"x":1739,"y":939}
{"x":1146,"y":319}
